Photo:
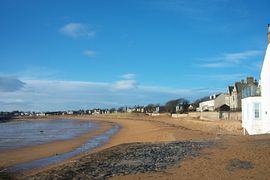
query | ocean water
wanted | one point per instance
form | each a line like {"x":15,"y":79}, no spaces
{"x":19,"y":134}
{"x":91,"y":144}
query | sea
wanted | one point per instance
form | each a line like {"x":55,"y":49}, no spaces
{"x":19,"y":133}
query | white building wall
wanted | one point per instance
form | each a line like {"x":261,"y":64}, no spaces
{"x":234,"y":99}
{"x":207,"y":105}
{"x":261,"y":126}
{"x":265,"y":90}
{"x":252,"y":124}
{"x":249,"y":122}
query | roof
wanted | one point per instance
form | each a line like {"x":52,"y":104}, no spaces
{"x":239,"y":86}
{"x":230,"y":89}
{"x":223,"y":107}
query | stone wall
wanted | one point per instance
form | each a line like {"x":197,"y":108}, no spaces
{"x":179,"y":115}
{"x":212,"y":115}
{"x":209,"y":115}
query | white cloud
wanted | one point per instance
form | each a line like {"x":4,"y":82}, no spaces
{"x":126,"y":84}
{"x":230,"y":59}
{"x":215,"y":65}
{"x":76,"y":30}
{"x":238,"y":57}
{"x":42,"y":95}
{"x":221,"y":77}
{"x":89,"y":53}
{"x":129,"y":76}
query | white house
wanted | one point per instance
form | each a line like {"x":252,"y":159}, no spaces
{"x":214,"y":102}
{"x":256,"y":109}
{"x":40,"y":114}
{"x":208,"y":104}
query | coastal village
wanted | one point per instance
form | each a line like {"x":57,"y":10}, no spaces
{"x":229,"y":101}
{"x":226,"y":105}
{"x":221,"y":135}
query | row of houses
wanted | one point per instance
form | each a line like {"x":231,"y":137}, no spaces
{"x":96,"y":111}
{"x":232,"y":99}
{"x":5,"y":115}
{"x":251,"y":97}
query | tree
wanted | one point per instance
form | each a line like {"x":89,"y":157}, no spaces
{"x":170,"y":106}
{"x":112,"y":110}
{"x":150,"y":108}
{"x":121,"y":109}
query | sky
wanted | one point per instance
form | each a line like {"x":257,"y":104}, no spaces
{"x":68,"y":55}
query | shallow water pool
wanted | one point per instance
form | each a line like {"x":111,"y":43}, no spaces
{"x":18,"y":133}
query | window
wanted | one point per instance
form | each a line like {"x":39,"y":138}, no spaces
{"x":257,"y":110}
{"x":247,"y":91}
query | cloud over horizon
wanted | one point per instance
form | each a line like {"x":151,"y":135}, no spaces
{"x":125,"y":84}
{"x":52,"y":95}
{"x":10,"y":84}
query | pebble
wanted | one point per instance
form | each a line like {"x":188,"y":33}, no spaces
{"x":126,"y":159}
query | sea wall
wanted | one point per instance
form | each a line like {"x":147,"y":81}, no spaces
{"x":237,"y":116}
{"x":179,"y":115}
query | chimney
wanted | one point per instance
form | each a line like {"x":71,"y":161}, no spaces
{"x":268,"y":33}
{"x":250,"y":80}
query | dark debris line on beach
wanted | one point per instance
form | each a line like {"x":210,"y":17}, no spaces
{"x":126,"y":159}
{"x":236,"y":164}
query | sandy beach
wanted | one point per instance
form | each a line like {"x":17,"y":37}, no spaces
{"x":231,"y":154}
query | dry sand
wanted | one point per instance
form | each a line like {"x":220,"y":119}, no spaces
{"x":213,"y":163}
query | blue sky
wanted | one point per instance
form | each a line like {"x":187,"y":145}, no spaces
{"x":57,"y":55}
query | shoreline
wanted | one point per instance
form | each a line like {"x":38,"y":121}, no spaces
{"x":144,"y":125}
{"x":11,"y":157}
{"x":133,"y":130}
{"x":39,"y":164}
{"x":145,"y":145}
{"x":155,"y":130}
